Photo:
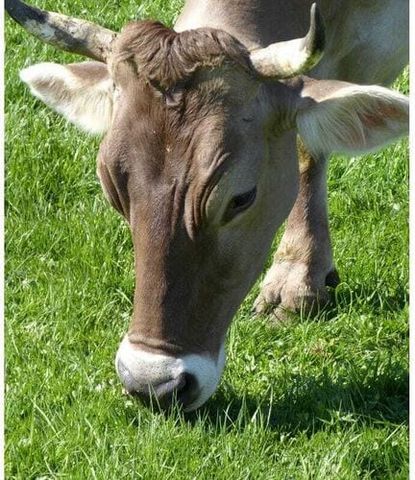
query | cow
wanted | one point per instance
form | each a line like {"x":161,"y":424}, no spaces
{"x":212,"y":136}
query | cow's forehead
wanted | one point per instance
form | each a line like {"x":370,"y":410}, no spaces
{"x":152,"y":138}
{"x":184,"y":133}
{"x":173,"y":116}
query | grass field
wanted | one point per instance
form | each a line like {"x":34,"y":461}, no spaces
{"x":316,"y":399}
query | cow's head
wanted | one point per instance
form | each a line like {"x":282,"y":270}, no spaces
{"x":199,"y":156}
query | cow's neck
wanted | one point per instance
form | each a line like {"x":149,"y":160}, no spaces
{"x":254,"y":22}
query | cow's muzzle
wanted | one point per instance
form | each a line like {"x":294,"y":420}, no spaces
{"x":163,"y":380}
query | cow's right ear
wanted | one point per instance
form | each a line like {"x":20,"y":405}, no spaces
{"x":81,"y":92}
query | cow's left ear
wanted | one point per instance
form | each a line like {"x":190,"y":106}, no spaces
{"x":81,"y":92}
{"x":341,"y":117}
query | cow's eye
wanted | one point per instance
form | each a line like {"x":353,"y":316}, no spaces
{"x":240,"y":203}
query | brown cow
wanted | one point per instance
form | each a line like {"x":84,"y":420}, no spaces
{"x":199,"y":156}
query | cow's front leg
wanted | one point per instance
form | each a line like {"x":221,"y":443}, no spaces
{"x":303,"y":264}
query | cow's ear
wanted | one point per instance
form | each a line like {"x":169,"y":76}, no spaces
{"x":81,"y":92}
{"x":345,"y":118}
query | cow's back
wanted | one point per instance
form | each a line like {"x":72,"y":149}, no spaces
{"x":367,"y":41}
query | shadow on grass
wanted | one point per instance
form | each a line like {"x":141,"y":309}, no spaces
{"x":311,"y":404}
{"x":362,"y":298}
{"x":372,"y":298}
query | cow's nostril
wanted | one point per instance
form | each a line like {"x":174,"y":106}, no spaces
{"x":189,"y":390}
{"x":183,"y":388}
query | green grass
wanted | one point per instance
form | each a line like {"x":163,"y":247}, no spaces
{"x":317,"y":399}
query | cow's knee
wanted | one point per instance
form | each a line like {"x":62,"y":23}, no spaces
{"x":295,"y":287}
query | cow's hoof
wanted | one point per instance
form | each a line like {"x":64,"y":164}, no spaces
{"x":290,"y":288}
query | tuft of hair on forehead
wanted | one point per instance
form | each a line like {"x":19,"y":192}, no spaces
{"x":167,"y":58}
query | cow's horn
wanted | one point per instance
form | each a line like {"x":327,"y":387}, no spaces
{"x":66,"y":33}
{"x":294,"y":57}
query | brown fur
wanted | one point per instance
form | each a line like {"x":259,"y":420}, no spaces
{"x":165,"y":58}
{"x":158,"y":165}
